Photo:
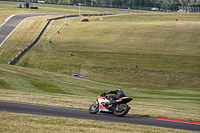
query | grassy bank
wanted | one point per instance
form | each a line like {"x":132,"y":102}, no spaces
{"x":19,"y":123}
{"x":166,"y":52}
{"x":33,"y":86}
{"x":165,"y":84}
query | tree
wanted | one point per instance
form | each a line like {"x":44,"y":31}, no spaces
{"x":117,"y":2}
{"x":148,"y":3}
{"x":87,"y":1}
{"x":141,"y":2}
{"x":157,"y":5}
{"x":135,"y":2}
{"x":130,"y":3}
{"x":175,"y":6}
{"x":165,"y":4}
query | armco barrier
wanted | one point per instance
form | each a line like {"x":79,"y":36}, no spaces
{"x":29,"y":46}
{"x":13,"y":61}
{"x":32,"y":43}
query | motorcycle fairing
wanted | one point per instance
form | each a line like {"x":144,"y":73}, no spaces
{"x":101,"y":107}
{"x":102,"y":100}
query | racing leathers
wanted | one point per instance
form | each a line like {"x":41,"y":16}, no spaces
{"x":118,"y":94}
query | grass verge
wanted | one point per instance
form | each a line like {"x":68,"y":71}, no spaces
{"x":163,"y":60}
{"x":25,"y":85}
{"x":21,"y":123}
{"x":166,"y":84}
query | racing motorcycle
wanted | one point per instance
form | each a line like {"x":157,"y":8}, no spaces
{"x":102,"y":104}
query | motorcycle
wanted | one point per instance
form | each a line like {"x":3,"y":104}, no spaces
{"x":102,"y":104}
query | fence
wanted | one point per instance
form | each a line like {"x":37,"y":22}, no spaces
{"x":29,"y":46}
{"x":189,"y":9}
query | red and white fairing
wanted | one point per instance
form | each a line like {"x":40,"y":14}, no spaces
{"x":103,"y":105}
{"x":102,"y":100}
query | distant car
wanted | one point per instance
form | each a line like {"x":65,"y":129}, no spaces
{"x":19,"y":5}
{"x":84,"y":20}
{"x":76,"y":75}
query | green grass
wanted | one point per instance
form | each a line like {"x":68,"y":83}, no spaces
{"x":32,"y":86}
{"x":167,"y":52}
{"x":22,"y":123}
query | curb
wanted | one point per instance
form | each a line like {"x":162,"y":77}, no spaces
{"x":176,"y":120}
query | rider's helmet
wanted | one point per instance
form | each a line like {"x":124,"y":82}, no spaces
{"x":119,"y":89}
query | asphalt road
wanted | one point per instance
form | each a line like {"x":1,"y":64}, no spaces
{"x":7,"y":28}
{"x":79,"y":114}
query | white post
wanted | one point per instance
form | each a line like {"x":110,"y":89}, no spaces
{"x":79,"y":9}
{"x":29,"y":4}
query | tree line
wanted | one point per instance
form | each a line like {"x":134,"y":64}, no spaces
{"x":159,"y":4}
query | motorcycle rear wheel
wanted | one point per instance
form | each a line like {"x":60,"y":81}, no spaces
{"x":123,"y":110}
{"x":94,"y":108}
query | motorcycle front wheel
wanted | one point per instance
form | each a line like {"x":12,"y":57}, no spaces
{"x":122,"y":110}
{"x":94,"y":108}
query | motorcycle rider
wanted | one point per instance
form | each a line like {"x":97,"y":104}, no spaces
{"x":118,"y":94}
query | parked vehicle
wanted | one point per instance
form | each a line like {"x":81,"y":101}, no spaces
{"x":19,"y":5}
{"x":102,"y":104}
{"x":84,"y":20}
{"x":76,"y":75}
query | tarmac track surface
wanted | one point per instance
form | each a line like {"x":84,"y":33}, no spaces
{"x":79,"y":114}
{"x":8,"y":27}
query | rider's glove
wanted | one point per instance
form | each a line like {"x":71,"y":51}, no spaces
{"x":103,"y":94}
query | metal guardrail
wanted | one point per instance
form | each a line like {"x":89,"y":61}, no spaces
{"x":29,"y":46}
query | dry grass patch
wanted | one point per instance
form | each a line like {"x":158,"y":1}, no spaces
{"x":32,"y":86}
{"x":54,"y":100}
{"x":21,"y":123}
{"x":142,"y":108}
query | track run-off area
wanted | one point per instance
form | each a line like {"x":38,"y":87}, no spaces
{"x":79,"y":114}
